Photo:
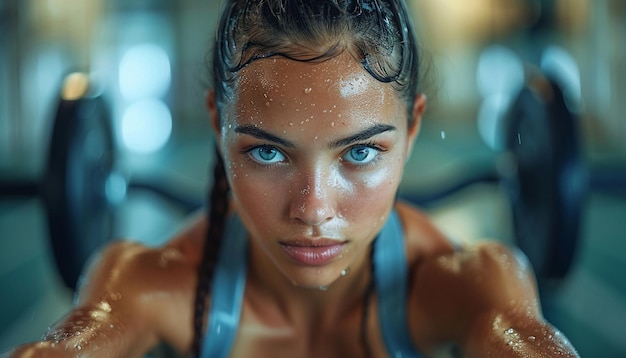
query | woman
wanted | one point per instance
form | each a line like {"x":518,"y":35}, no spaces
{"x":305,"y":251}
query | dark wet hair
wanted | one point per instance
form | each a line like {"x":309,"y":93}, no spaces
{"x":377,"y":33}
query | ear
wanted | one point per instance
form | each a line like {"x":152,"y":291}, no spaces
{"x":419,"y":107}
{"x":214,"y":115}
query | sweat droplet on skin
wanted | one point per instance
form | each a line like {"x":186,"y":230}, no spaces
{"x":307,"y":90}
{"x":513,"y":338}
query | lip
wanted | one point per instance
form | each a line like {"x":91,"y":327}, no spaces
{"x":313,"y":252}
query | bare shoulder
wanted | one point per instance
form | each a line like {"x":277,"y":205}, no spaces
{"x":484,"y":298}
{"x":154,"y":287}
{"x":486,"y":273}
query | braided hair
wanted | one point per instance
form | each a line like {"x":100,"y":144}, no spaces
{"x":378,"y":33}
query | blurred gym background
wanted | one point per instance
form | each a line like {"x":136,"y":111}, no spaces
{"x":147,"y":58}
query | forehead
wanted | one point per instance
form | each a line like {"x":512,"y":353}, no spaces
{"x":342,"y":73}
{"x":338,"y":88}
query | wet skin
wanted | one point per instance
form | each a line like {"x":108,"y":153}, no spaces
{"x":314,"y":153}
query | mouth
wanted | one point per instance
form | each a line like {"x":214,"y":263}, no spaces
{"x":313,"y":252}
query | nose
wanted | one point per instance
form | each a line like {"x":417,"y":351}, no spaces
{"x":313,"y":201}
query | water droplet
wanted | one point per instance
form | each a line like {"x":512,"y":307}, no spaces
{"x":531,"y":338}
{"x":332,"y":124}
{"x":344,"y":272}
{"x":104,"y":306}
{"x":79,"y":347}
{"x":443,"y":135}
{"x":307,"y":90}
{"x":519,"y":138}
{"x":324,"y":288}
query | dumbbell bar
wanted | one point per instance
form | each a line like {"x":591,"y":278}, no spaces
{"x":546,"y":181}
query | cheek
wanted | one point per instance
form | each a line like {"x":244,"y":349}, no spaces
{"x":248,"y":186}
{"x":258,"y":199}
{"x":373,"y":193}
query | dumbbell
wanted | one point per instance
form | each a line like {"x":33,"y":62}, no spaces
{"x":80,"y":185}
{"x":79,"y":160}
{"x":543,"y":175}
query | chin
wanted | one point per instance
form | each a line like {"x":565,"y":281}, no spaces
{"x":314,"y":278}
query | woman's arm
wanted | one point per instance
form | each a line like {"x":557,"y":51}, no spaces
{"x":516,"y":335}
{"x":484,"y":298}
{"x":112,"y":316}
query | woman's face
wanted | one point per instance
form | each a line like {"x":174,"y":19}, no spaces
{"x":314,"y":155}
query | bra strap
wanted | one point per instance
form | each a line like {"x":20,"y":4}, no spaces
{"x":227,"y":289}
{"x":390,"y":275}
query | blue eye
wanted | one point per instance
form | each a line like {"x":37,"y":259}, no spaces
{"x":266,"y":154}
{"x":361,"y":154}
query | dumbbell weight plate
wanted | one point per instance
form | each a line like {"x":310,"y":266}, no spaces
{"x":80,"y":160}
{"x":548,"y":188}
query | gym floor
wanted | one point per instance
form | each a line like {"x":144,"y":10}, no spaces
{"x":589,"y":306}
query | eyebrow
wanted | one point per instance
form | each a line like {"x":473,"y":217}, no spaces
{"x":360,"y":136}
{"x":261,"y":134}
